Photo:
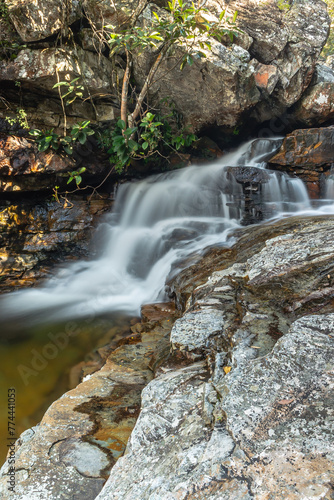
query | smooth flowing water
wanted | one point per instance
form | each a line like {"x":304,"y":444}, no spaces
{"x":155,"y":225}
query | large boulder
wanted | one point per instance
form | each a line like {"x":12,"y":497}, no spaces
{"x":105,"y":12}
{"x":38,"y":20}
{"x":37,"y":71}
{"x":261,"y":74}
{"x":316,"y":104}
{"x":237,"y":80}
{"x":308,"y":154}
{"x":254,"y":410}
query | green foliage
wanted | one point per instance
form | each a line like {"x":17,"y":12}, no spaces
{"x":20,"y":118}
{"x":73,"y":89}
{"x":45,"y":139}
{"x":50,"y":140}
{"x":153,"y":136}
{"x":151,"y":132}
{"x":183,"y":25}
{"x":4,"y":14}
{"x":283,"y":5}
{"x":121,"y":147}
{"x":76,"y":176}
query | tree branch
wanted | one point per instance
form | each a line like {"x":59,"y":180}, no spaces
{"x":125,"y":86}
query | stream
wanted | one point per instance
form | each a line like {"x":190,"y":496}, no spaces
{"x":155,"y":225}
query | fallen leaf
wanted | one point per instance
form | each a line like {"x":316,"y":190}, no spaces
{"x":285,"y":401}
{"x":255,"y":347}
{"x":227,"y":369}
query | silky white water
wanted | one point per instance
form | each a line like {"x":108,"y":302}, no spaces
{"x":155,"y":224}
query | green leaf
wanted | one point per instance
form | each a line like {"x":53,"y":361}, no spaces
{"x":222,"y":14}
{"x":70,"y":180}
{"x":129,"y":131}
{"x":144,"y":145}
{"x":43,"y":146}
{"x":35,"y":132}
{"x":68,"y":149}
{"x":84,"y":124}
{"x":133,"y":145}
{"x":118,"y":139}
{"x":190,"y":60}
{"x":78,"y":179}
{"x":235,"y":15}
{"x":156,"y":15}
{"x":121,"y":124}
{"x":59,"y":84}
{"x":82,"y":137}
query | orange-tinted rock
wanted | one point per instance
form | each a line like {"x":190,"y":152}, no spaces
{"x":157,"y":312}
{"x":36,"y":234}
{"x":308,"y":154}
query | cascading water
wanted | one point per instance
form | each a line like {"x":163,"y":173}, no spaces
{"x":155,"y":224}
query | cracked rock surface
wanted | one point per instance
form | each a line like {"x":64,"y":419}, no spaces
{"x":250,"y":415}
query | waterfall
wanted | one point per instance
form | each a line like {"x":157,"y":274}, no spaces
{"x":155,"y":224}
{"x":329,"y":194}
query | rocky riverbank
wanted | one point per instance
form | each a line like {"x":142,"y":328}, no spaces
{"x":236,"y":397}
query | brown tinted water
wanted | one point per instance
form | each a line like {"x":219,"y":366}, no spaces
{"x":38,"y":364}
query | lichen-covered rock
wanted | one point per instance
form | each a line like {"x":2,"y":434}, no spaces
{"x":38,"y":20}
{"x":261,"y":80}
{"x":104,"y":13}
{"x":279,"y":409}
{"x":39,"y":70}
{"x":278,"y":415}
{"x":248,"y":421}
{"x":41,"y":67}
{"x":316,"y":104}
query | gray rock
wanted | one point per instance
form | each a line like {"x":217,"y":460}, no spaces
{"x":285,"y":45}
{"x":38,"y":21}
{"x":193,"y":330}
{"x":316,"y":104}
{"x":279,"y":421}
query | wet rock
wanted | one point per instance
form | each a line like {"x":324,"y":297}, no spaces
{"x":24,"y":168}
{"x":307,"y":153}
{"x":36,"y":234}
{"x":36,"y":22}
